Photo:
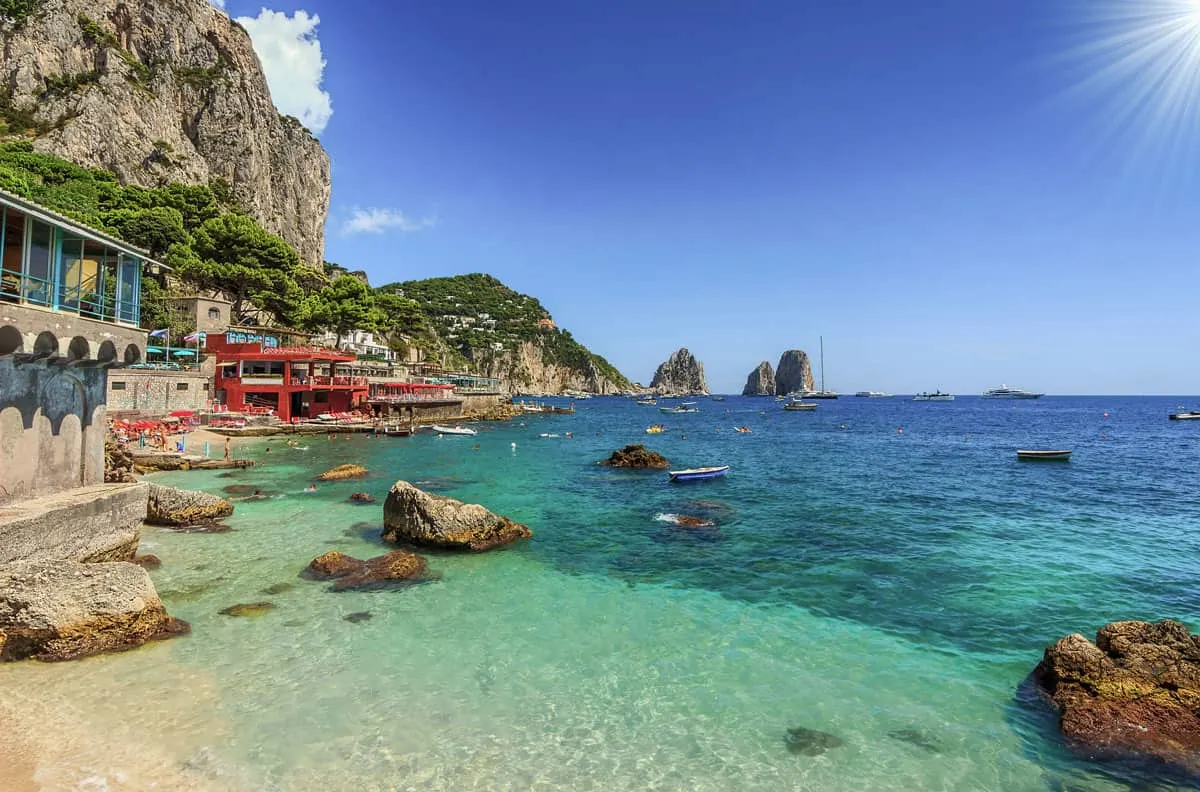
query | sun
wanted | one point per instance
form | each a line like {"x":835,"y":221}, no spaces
{"x":1138,"y":62}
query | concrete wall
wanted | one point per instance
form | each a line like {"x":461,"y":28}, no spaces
{"x":87,"y":524}
{"x":48,"y":333}
{"x":158,"y":391}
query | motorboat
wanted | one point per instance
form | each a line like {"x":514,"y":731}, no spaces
{"x":647,"y":402}
{"x":717,"y":398}
{"x":1005,"y":392}
{"x":453,"y":430}
{"x":1043,"y":456}
{"x":685,"y":407}
{"x":872,"y":395}
{"x":1191,"y":415}
{"x":699,"y":474}
{"x":800,"y":406}
{"x":935,"y":396}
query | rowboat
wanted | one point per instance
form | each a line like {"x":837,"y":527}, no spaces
{"x":1185,"y":416}
{"x":698,"y":474}
{"x":1043,"y":456}
{"x":453,"y":430}
{"x":800,"y":406}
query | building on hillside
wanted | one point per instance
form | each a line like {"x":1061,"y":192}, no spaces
{"x":546,"y":324}
{"x":69,"y":311}
{"x":254,"y":374}
{"x":205,"y":314}
{"x":361,"y":343}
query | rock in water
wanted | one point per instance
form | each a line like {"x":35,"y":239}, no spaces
{"x":182,"y":508}
{"x":420,"y":518}
{"x":160,"y":91}
{"x":761,"y":381}
{"x":637,"y":456}
{"x":1135,"y":692}
{"x":794,"y":373}
{"x":810,"y":742}
{"x":362,"y":497}
{"x":332,"y":564}
{"x":248,"y":609}
{"x":61,"y":610}
{"x":118,"y":463}
{"x":350,"y":573}
{"x":342,"y":472}
{"x":680,"y":374}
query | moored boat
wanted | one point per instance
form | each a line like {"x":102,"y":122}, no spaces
{"x":717,"y":398}
{"x":872,"y":395}
{"x":1191,"y":415}
{"x":685,"y":407}
{"x":800,"y":406}
{"x":1054,"y":455}
{"x":699,"y":474}
{"x":647,"y":402}
{"x":935,"y":396}
{"x":1005,"y":392}
{"x":453,"y":430}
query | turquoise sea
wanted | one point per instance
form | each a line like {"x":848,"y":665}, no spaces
{"x":892,"y":589}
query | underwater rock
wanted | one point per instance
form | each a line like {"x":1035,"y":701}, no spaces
{"x":357,"y":617}
{"x":811,"y":742}
{"x":916,"y":737}
{"x":277,"y":588}
{"x":362,"y":497}
{"x":248,"y":609}
{"x":148,"y":561}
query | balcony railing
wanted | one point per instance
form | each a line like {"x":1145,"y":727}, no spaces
{"x":330,"y":381}
{"x":88,"y":303}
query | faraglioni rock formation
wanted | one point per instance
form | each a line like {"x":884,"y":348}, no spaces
{"x":183,"y":508}
{"x":62,"y":610}
{"x":166,"y":90}
{"x":420,"y":518}
{"x":761,"y":381}
{"x":680,"y":374}
{"x":794,"y":373}
{"x":1135,"y":692}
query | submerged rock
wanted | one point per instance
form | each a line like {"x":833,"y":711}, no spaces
{"x":61,"y":610}
{"x":342,"y":472}
{"x":277,"y":588}
{"x":148,"y":561}
{"x":688,"y":521}
{"x":362,"y":497}
{"x":420,"y":518}
{"x":916,"y":737}
{"x":239,"y":489}
{"x":350,"y":573}
{"x":810,"y":742}
{"x":357,"y":617}
{"x":761,"y":381}
{"x":1135,"y":692}
{"x":184,"y":508}
{"x":248,"y":609}
{"x":637,"y":456}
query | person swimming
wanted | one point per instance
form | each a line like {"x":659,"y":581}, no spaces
{"x":311,"y":488}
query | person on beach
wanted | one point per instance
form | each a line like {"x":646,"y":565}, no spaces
{"x":226,"y":449}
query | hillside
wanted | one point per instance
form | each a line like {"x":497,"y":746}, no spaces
{"x":500,"y":332}
{"x":162,"y":91}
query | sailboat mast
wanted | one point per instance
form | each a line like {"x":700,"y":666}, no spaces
{"x":822,"y":364}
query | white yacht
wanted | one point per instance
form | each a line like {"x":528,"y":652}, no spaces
{"x":872,"y":394}
{"x":935,"y":396}
{"x":1005,"y":392}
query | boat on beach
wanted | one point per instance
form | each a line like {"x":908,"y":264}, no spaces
{"x":699,"y":474}
{"x":935,"y":396}
{"x":453,"y":430}
{"x":1191,"y":415}
{"x":1005,"y":392}
{"x":1029,"y":455}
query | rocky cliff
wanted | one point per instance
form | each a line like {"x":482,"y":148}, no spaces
{"x":680,"y":374}
{"x":794,"y":373}
{"x":528,"y":368}
{"x":761,"y":381}
{"x":159,"y":91}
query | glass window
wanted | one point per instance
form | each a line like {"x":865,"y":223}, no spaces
{"x":129,"y":283}
{"x":214,"y":313}
{"x":38,"y":270}
{"x":118,"y":386}
{"x":181,"y":386}
{"x":70,"y":268}
{"x":14,"y":245}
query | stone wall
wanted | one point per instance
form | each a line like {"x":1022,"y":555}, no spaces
{"x":158,"y":391}
{"x":41,"y":331}
{"x":87,"y":524}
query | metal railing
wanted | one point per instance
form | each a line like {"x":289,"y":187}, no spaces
{"x":85,"y":302}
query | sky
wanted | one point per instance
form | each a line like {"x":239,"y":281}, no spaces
{"x":951,"y":194}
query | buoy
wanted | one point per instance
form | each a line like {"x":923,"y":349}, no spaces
{"x":899,"y":430}
{"x":1105,"y":415}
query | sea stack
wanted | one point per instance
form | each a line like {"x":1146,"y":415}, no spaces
{"x":794,"y":373}
{"x":761,"y":381}
{"x":681,"y":375}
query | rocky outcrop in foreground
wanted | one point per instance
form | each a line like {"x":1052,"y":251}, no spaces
{"x":166,"y":90}
{"x":794,"y":373}
{"x":343,"y":472}
{"x":680,"y":374}
{"x":416,"y":517}
{"x":60,"y":610}
{"x":761,"y":381}
{"x":118,"y":463}
{"x":637,"y":456}
{"x":182,"y":508}
{"x":1135,"y":692}
{"x":349,"y":573}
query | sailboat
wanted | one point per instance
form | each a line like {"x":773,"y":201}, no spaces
{"x":821,"y":394}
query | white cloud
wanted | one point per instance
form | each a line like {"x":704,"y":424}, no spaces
{"x":218,"y":3}
{"x":376,"y":221}
{"x":291,"y":58}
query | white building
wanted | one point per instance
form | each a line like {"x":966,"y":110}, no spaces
{"x":359,"y":342}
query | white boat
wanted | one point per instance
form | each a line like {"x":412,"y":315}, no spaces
{"x":453,"y":430}
{"x":822,"y":393}
{"x":1192,"y":415}
{"x":650,"y":402}
{"x":800,"y":406}
{"x":935,"y":396}
{"x":1005,"y":392}
{"x":685,"y":407}
{"x":873,"y":395}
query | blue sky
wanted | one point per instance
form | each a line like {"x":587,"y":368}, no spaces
{"x":949,"y":192}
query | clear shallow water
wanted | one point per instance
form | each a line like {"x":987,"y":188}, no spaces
{"x":889,"y":588}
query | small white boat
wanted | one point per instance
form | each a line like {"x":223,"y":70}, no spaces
{"x":872,"y":395}
{"x":1185,"y":416}
{"x":650,"y":402}
{"x":1058,"y":455}
{"x":698,"y":474}
{"x":935,"y":396}
{"x":685,"y":407}
{"x":453,"y":430}
{"x":800,"y":406}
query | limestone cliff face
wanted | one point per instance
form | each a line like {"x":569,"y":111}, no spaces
{"x":794,"y":373}
{"x":167,"y":90}
{"x":761,"y":381}
{"x":526,"y":370}
{"x":680,"y":374}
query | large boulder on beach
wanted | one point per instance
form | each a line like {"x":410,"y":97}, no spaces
{"x":761,"y":381}
{"x":62,"y":610}
{"x":342,"y":472}
{"x":349,"y":573}
{"x":416,"y":517}
{"x":637,"y":456}
{"x":184,"y":508}
{"x":1134,"y":693}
